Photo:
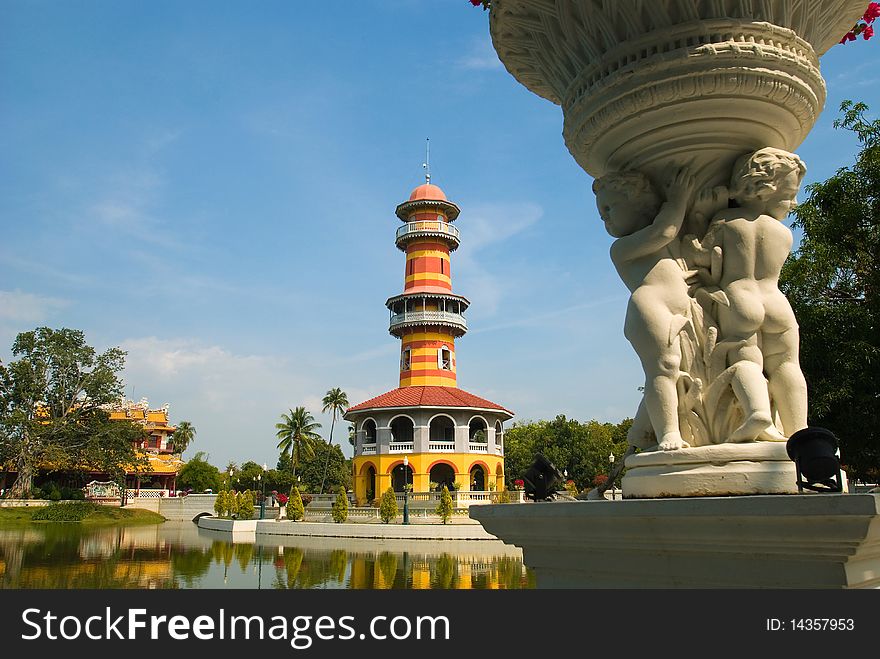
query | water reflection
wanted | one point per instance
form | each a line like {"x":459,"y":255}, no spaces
{"x":179,"y":555}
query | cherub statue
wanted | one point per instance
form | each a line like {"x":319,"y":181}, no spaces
{"x":745,"y":249}
{"x":647,"y":257}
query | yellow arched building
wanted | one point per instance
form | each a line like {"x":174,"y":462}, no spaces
{"x":449,"y":436}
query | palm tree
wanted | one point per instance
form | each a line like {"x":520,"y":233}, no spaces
{"x":335,"y":401}
{"x":183,"y":436}
{"x":297,"y":434}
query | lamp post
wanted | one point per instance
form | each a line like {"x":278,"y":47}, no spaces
{"x":611,"y":473}
{"x":263,"y":493}
{"x":406,"y":489}
{"x":231,"y":474}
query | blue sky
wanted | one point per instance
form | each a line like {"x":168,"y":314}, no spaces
{"x":211,"y":186}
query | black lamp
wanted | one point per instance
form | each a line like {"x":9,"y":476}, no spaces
{"x":542,"y":479}
{"x":814,"y":452}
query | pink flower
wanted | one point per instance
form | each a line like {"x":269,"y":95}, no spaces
{"x":849,"y":36}
{"x":872,"y":13}
{"x":868,"y":32}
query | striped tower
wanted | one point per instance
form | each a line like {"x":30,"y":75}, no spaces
{"x":428,"y":316}
{"x":428,"y":433}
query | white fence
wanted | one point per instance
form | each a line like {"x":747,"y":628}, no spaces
{"x":144,"y":493}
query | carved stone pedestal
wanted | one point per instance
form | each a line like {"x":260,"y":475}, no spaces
{"x":719,"y":470}
{"x":790,"y":541}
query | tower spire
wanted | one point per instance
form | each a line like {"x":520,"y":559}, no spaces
{"x":427,"y":163}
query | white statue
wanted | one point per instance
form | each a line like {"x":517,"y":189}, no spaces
{"x":717,"y":340}
{"x":647,"y":255}
{"x":758,"y":333}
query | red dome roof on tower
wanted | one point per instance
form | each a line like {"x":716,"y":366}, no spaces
{"x":428,"y":192}
{"x":428,"y":396}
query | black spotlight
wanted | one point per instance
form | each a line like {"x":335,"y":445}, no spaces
{"x":814,"y":451}
{"x":542,"y":479}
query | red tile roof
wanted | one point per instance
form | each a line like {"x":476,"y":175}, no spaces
{"x":428,"y":397}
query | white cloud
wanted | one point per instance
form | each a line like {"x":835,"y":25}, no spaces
{"x":28,"y":308}
{"x":234,"y":400}
{"x":480,"y":57}
{"x":488,"y":224}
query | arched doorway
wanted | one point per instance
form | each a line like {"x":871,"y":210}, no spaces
{"x":370,"y":482}
{"x":478,"y":479}
{"x":442,"y":474}
{"x":477,"y":431}
{"x":499,"y":478}
{"x":442,"y":429}
{"x":402,"y":429}
{"x":401,"y":475}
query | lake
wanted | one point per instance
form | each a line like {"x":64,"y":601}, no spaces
{"x":180,"y":555}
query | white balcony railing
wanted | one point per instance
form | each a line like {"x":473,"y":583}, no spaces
{"x":428,"y":317}
{"x":368,"y":449}
{"x":441,"y":447}
{"x":478,"y":447}
{"x":400,"y":447}
{"x":428,"y":227}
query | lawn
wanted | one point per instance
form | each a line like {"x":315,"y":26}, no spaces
{"x":77,"y":512}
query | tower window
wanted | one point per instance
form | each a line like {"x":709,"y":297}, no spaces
{"x":405,"y":359}
{"x":444,"y":359}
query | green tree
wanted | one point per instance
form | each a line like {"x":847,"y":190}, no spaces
{"x":311,"y":470}
{"x":340,"y":507}
{"x":336,"y":402}
{"x":183,"y":436}
{"x":198,"y":474}
{"x":295,"y":509}
{"x":52,"y":409}
{"x":581,"y":449}
{"x":297,"y":435}
{"x":833,"y":284}
{"x":250,"y":476}
{"x":444,"y":508}
{"x":388,"y":506}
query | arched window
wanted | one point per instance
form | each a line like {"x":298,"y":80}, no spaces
{"x":442,"y":429}
{"x":402,"y":429}
{"x":499,"y":434}
{"x":369,"y":429}
{"x":405,"y":359}
{"x":444,"y":359}
{"x":477,"y":431}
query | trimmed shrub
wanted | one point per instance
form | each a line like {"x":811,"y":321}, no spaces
{"x":444,"y":508}
{"x":388,"y":506}
{"x":340,"y":506}
{"x":295,"y":509}
{"x":75,"y":511}
{"x":246,"y":505}
{"x":220,"y":504}
{"x":232,"y":503}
